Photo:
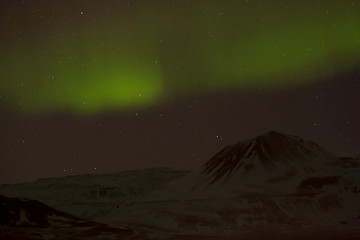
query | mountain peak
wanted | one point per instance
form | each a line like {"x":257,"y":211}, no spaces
{"x":272,"y":150}
{"x":274,"y":134}
{"x":271,"y":133}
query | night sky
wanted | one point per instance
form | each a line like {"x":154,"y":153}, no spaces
{"x":90,"y":86}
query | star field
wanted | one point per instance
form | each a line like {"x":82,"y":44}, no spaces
{"x":103,"y":86}
{"x":93,"y":56}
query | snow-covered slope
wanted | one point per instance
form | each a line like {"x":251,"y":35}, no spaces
{"x":291,"y":185}
{"x":274,"y":182}
{"x":270,"y":158}
{"x":83,"y":195}
{"x":271,"y":153}
{"x":272,"y":163}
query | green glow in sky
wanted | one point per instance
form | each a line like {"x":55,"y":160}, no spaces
{"x":288,"y":46}
{"x":93,"y":58}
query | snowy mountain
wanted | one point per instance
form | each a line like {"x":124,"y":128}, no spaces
{"x":273,"y":183}
{"x":267,"y":151}
{"x":269,"y":158}
{"x":272,"y":163}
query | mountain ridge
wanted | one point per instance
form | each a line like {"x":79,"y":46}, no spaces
{"x":270,"y":152}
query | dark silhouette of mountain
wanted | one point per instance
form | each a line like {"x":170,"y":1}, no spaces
{"x":30,"y":219}
{"x":31,"y":213}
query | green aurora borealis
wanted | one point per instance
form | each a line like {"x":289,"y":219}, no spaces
{"x":87,"y":58}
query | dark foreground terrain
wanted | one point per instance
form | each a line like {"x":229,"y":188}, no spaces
{"x":106,"y":233}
